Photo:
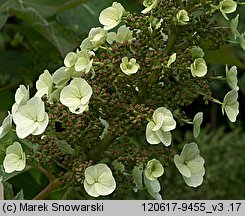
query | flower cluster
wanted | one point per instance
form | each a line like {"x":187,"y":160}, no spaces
{"x":97,"y":122}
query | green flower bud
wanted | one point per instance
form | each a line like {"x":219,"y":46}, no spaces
{"x":182,"y":17}
{"x":226,"y":7}
{"x":154,"y":169}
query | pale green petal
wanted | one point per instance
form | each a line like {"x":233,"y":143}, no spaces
{"x":230,"y":105}
{"x":151,"y":136}
{"x":137,"y":176}
{"x":70,"y":59}
{"x":165,"y":137}
{"x":171,"y":59}
{"x":6,"y":125}
{"x":158,"y":119}
{"x":41,"y":125}
{"x":61,"y":76}
{"x":90,"y":189}
{"x":183,"y":169}
{"x":199,"y":68}
{"x":22,"y":95}
{"x":197,"y":52}
{"x":153,"y":188}
{"x":190,"y":151}
{"x":194,"y":181}
{"x":197,"y":121}
{"x":112,"y":36}
{"x":15,"y":148}
{"x":154,"y":169}
{"x":231,"y":77}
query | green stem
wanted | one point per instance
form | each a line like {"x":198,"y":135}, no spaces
{"x":95,"y":152}
{"x":44,"y":194}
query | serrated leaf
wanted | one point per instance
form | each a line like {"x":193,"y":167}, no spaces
{"x":60,"y":37}
{"x":64,"y":193}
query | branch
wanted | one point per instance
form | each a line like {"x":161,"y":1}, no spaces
{"x":46,"y":191}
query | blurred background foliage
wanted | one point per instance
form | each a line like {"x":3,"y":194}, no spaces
{"x":36,"y":35}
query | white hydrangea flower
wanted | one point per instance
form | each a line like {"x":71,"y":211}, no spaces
{"x":153,"y":169}
{"x":44,"y":85}
{"x":171,"y":59}
{"x":226,"y":7}
{"x":112,"y":16}
{"x":159,"y":129}
{"x":191,"y":165}
{"x":97,"y":37}
{"x":230,"y":105}
{"x":80,"y":60}
{"x":31,"y":118}
{"x":197,"y":121}
{"x":231,"y":77}
{"x":22,"y":95}
{"x":182,"y":17}
{"x":76,"y":95}
{"x":63,"y":75}
{"x":99,"y":180}
{"x":149,"y":4}
{"x":123,"y":34}
{"x":129,"y":67}
{"x":199,"y":68}
{"x":15,"y":159}
{"x":6,"y":125}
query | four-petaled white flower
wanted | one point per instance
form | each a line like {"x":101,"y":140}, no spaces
{"x":199,"y":68}
{"x":191,"y":165}
{"x":15,"y":159}
{"x":31,"y":118}
{"x":231,"y":77}
{"x":129,"y":67}
{"x":44,"y":85}
{"x":197,"y":121}
{"x":99,"y":180}
{"x":22,"y":95}
{"x":230,"y":105}
{"x":112,"y":16}
{"x":76,"y":95}
{"x":96,"y":37}
{"x":123,"y":34}
{"x":153,"y":169}
{"x":159,"y":129}
{"x":149,"y":4}
{"x":6,"y":125}
{"x":182,"y":17}
{"x":226,"y":7}
{"x":80,"y":60}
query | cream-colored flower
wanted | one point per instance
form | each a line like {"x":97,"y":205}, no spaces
{"x":149,"y":4}
{"x":15,"y":159}
{"x":22,"y":95}
{"x":96,"y":38}
{"x":99,"y":180}
{"x":31,"y":118}
{"x":129,"y":67}
{"x":182,"y":17}
{"x":226,"y":7}
{"x":76,"y":95}
{"x":112,"y":16}
{"x":231,"y":77}
{"x":159,"y":129}
{"x":153,"y":169}
{"x":199,"y":68}
{"x":44,"y":85}
{"x":191,"y":165}
{"x":123,"y":34}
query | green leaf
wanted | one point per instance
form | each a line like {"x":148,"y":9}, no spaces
{"x":19,"y":195}
{"x":226,"y":55}
{"x":54,"y":32}
{"x":8,"y":191}
{"x":3,"y":19}
{"x":118,"y":166}
{"x":64,"y":193}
